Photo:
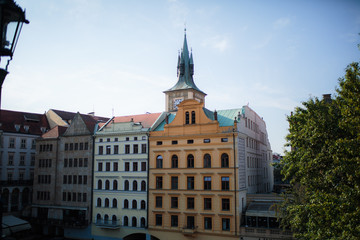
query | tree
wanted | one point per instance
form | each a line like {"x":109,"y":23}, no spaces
{"x":323,"y":166}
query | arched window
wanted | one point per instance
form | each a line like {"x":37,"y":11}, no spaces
{"x":126,"y":221}
{"x":106,"y":218}
{"x":174,"y":161}
{"x":142,"y":222}
{"x":143,"y":204}
{"x":134,"y":204}
{"x":159,"y":161}
{"x":114,"y":219}
{"x":126,"y":203}
{"x":133,"y":222}
{"x":207,"y":161}
{"x":224,"y":160}
{"x":115,"y":185}
{"x":187,"y":118}
{"x":193,"y":117}
{"x":99,"y":184}
{"x":190,"y":161}
{"x":143,"y":185}
{"x":114,"y":203}
{"x":98,"y":218}
{"x":107,"y":185}
{"x":106,"y":202}
{"x":98,"y":202}
{"x":126,"y":185}
{"x":134,"y":187}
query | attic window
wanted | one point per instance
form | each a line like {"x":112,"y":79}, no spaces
{"x":43,"y":129}
{"x":17,"y":127}
{"x":26,"y":128}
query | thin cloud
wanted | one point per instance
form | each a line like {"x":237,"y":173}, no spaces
{"x":219,"y":43}
{"x":281,"y":23}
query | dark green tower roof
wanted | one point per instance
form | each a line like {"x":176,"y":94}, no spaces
{"x":185,"y":70}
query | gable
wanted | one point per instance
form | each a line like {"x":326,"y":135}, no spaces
{"x":77,"y":127}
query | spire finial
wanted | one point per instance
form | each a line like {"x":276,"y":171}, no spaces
{"x":185,"y":28}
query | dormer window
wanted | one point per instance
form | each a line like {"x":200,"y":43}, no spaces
{"x":26,"y":128}
{"x":43,"y":129}
{"x":17,"y":127}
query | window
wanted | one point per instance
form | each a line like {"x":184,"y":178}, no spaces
{"x":85,"y":162}
{"x":81,"y":146}
{"x":126,"y":185}
{"x":190,"y":222}
{"x":66,"y":146}
{"x":174,"y":202}
{"x":207,"y":140}
{"x":193,"y":117}
{"x":207,"y":161}
{"x":75,"y":162}
{"x":79,"y":197}
{"x":158,"y":219}
{"x":190,"y":161}
{"x":174,"y":161}
{"x":74,"y":179}
{"x":158,"y":202}
{"x":135,"y":166}
{"x":108,"y":149}
{"x":207,"y":183}
{"x":127,"y":149}
{"x":113,"y":219}
{"x":127,"y":139}
{"x":159,"y":143}
{"x":80,"y":180}
{"x":115,"y":167}
{"x":159,"y":182}
{"x":101,"y":150}
{"x":224,"y":160}
{"x":143,"y":148}
{"x":133,"y":222}
{"x":98,"y":218}
{"x":23,"y":143}
{"x":174,"y":220}
{"x":116,"y":149}
{"x":226,"y":224}
{"x":115,"y":185}
{"x":143,"y":204}
{"x":64,"y":179}
{"x":135,"y":148}
{"x":107,"y":202}
{"x":70,"y":162}
{"x":143,"y":185}
{"x":190,"y":183}
{"x":116,"y":139}
{"x":12,"y":143}
{"x":134,"y":204}
{"x":108,"y":166}
{"x":143,"y":166}
{"x":85,"y":179}
{"x":225,"y":204}
{"x":207,"y":203}
{"x":99,"y":184}
{"x":174,"y":142}
{"x":126,"y":221}
{"x":126,"y":203}
{"x":86,"y":146}
{"x":224,"y":140}
{"x":187,"y":118}
{"x":69,"y":179}
{"x":127,"y":166}
{"x":190,"y":141}
{"x":174,"y":183}
{"x":22,"y":159}
{"x":107,"y":185}
{"x":76,"y":147}
{"x":134,"y":186}
{"x":100,"y":140}
{"x":159,"y":161}
{"x":100,"y":165}
{"x":190,"y":203}
{"x":208,"y":223}
{"x":225,"y":183}
{"x":135,"y":138}
{"x":11,"y":159}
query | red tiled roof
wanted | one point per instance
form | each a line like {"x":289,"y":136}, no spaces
{"x":11,"y":119}
{"x":55,"y":132}
{"x":146,"y":120}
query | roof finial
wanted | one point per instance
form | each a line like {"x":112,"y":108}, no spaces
{"x":185,"y":28}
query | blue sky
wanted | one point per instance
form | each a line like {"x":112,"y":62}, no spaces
{"x":112,"y":56}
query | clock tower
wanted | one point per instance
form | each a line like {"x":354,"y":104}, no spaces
{"x":185,"y":87}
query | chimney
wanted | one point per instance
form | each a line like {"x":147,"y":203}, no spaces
{"x":215,"y":115}
{"x":167,"y":119}
{"x":91,"y":114}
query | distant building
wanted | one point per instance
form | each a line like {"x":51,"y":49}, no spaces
{"x":18,"y":133}
{"x":63,"y":173}
{"x":121,"y":176}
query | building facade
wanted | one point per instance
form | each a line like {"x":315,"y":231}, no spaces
{"x":121,"y":176}
{"x":18,"y":133}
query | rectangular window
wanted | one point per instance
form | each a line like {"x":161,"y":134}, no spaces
{"x":116,"y":139}
{"x":226,"y":224}
{"x":225,"y":204}
{"x":143,"y":148}
{"x":64,"y":179}
{"x":159,"y":182}
{"x":108,"y":149}
{"x":135,"y":148}
{"x":85,"y":179}
{"x":100,"y":165}
{"x":174,"y":142}
{"x":127,"y":149}
{"x":108,"y":166}
{"x":159,"y":143}
{"x":135,"y":166}
{"x":224,"y":140}
{"x":64,"y":196}
{"x":86,"y":146}
{"x":190,"y":183}
{"x":12,"y":143}
{"x":81,"y":147}
{"x":80,"y":179}
{"x":108,"y":139}
{"x":79,"y":197}
{"x":127,"y":139}
{"x":11,"y":159}
{"x":71,"y":146}
{"x":190,"y":222}
{"x":174,"y":183}
{"x":75,"y":162}
{"x":127,"y":166}
{"x":66,"y":146}
{"x":190,"y":141}
{"x":115,"y":167}
{"x":116,"y":149}
{"x":74,"y":197}
{"x":80,"y":162}
{"x":23,"y":143}
{"x":65,"y":162}
{"x":174,"y":220}
{"x":69,"y":179}
{"x":207,"y":183}
{"x":143,"y":166}
{"x":84,"y":197}
{"x":22,"y":160}
{"x":33,"y":144}
{"x":190,"y":203}
{"x":158,"y":202}
{"x":174,"y":202}
{"x":75,"y":179}
{"x":76,"y":147}
{"x":207,"y":140}
{"x":101,"y":150}
{"x":158,"y":219}
{"x":207,"y":223}
{"x":85,"y":162}
{"x":207,"y":203}
{"x":225,"y":183}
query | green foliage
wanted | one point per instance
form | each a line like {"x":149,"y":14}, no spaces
{"x":324,"y":165}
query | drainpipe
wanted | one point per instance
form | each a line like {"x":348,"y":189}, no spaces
{"x":92,"y":176}
{"x":235,"y":192}
{"x":148,"y":175}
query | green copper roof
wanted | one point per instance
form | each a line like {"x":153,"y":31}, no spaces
{"x":185,"y":70}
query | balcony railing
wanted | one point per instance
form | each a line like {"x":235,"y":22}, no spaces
{"x":189,"y":230}
{"x":109,"y":224}
{"x":10,"y":183}
{"x":60,"y":222}
{"x":265,"y":232}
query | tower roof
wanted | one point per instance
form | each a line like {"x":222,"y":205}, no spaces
{"x":185,"y":70}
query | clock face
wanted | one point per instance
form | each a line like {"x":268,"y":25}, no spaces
{"x":177,"y":101}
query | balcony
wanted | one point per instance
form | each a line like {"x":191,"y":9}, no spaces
{"x":107,"y":224}
{"x":11,"y":183}
{"x":59,"y":222}
{"x":189,"y":230}
{"x":257,"y":232}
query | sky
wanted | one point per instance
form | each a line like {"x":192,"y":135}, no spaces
{"x":116,"y":57}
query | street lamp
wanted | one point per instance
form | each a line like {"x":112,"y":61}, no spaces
{"x":12,"y":18}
